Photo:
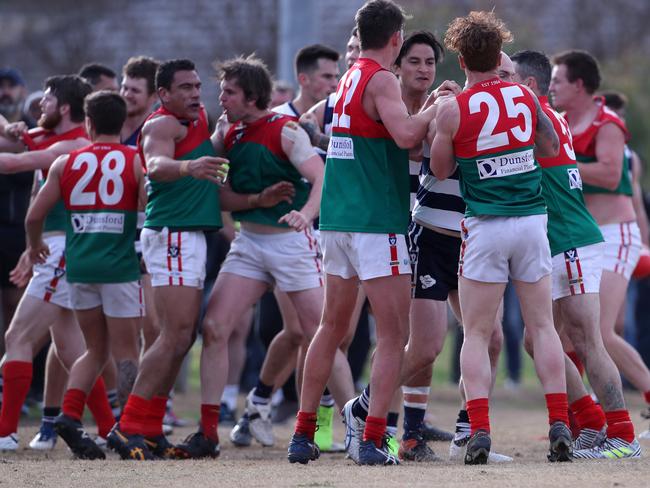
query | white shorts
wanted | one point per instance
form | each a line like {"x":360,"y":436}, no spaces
{"x":48,"y":282}
{"x":174,"y":258}
{"x":366,"y":255}
{"x":120,"y":300}
{"x":290,"y":260}
{"x":622,"y":247}
{"x":577,"y":271}
{"x":495,"y":248}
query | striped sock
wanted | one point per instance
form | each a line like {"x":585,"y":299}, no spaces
{"x":415,"y":407}
{"x":361,"y":404}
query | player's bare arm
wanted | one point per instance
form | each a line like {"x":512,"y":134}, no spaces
{"x":296,"y":145}
{"x":606,"y":171}
{"x":547,"y":142}
{"x":382,"y":100}
{"x":139,"y":177}
{"x":41,"y":159}
{"x":158,"y":142}
{"x":445,"y":127}
{"x":310,"y":123}
{"x":38,"y":210}
{"x":232,"y":201}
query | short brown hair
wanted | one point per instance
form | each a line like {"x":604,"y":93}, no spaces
{"x":107,"y":110}
{"x":478,"y":39}
{"x":580,"y":65}
{"x":377,"y":21}
{"x":70,"y":90}
{"x":251,"y":75}
{"x":142,"y":67}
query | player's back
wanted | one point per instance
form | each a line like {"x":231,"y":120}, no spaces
{"x":494,"y":148}
{"x":100,"y":193}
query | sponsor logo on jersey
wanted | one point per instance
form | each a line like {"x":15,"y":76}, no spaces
{"x":341,"y":148}
{"x":506,"y":165}
{"x":575,"y":182}
{"x":106,"y":222}
{"x":427,"y":281}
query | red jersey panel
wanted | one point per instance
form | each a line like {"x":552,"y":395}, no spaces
{"x":100,"y":176}
{"x":266,"y":131}
{"x":504,"y":115}
{"x":349,"y":115}
{"x":561,"y":126}
{"x":585,"y":142}
{"x":197,"y":133}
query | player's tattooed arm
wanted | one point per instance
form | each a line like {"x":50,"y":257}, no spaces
{"x":309,"y":123}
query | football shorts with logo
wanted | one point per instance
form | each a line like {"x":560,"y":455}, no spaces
{"x":622,"y":247}
{"x":365,"y":255}
{"x":434,"y":260}
{"x":49,"y":282}
{"x":496,"y":248}
{"x":577,"y":271}
{"x":290,"y":260}
{"x":174,"y":258}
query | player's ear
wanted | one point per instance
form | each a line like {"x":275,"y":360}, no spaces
{"x":461,"y":62}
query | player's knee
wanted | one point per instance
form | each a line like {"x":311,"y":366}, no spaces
{"x":15,"y":337}
{"x":214,"y":332}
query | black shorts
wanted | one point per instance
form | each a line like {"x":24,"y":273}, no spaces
{"x":434,"y":263}
{"x":12,"y":245}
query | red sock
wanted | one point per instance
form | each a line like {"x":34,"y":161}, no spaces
{"x":153,"y":422}
{"x":558,"y":408}
{"x":134,"y":416}
{"x":17,"y":376}
{"x":588,"y":413}
{"x":573,"y":356}
{"x":479,"y":414}
{"x":74,"y":402}
{"x":100,"y":408}
{"x":210,"y":421}
{"x":619,"y":425}
{"x":375,"y":430}
{"x":306,"y":424}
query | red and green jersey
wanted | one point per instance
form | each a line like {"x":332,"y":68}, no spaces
{"x":257,"y":161}
{"x":56,"y":219}
{"x":570,"y":225}
{"x":186,"y":203}
{"x":366,"y":186}
{"x":100,"y":194}
{"x":494,"y":150}
{"x":585,"y":148}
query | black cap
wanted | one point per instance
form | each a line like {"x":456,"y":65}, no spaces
{"x":12,"y":75}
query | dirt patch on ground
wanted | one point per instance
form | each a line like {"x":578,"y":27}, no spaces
{"x":519,"y":428}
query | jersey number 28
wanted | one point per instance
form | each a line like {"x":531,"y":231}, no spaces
{"x":112,"y":167}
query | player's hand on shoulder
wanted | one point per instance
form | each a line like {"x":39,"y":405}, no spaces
{"x":448,"y":87}
{"x":283,"y":191}
{"x":296,"y":220}
{"x":309,"y":122}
